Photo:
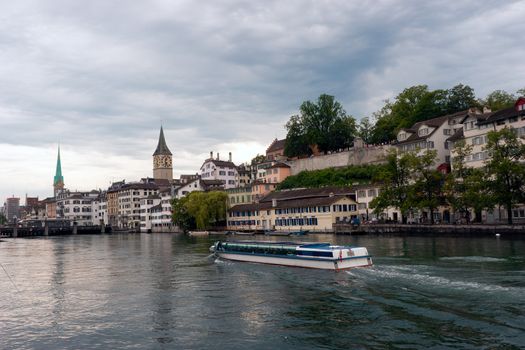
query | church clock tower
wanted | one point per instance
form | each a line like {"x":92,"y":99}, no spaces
{"x":162,"y":160}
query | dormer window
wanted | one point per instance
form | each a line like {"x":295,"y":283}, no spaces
{"x":402,"y":136}
{"x":423,"y":132}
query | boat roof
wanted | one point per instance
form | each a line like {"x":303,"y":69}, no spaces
{"x":301,"y":244}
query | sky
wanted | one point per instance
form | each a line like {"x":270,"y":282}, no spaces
{"x":99,"y":77}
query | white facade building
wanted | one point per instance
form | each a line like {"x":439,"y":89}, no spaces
{"x":99,"y":209}
{"x":145,"y":212}
{"x":432,"y":134}
{"x":216,"y":169}
{"x":77,"y":207}
{"x":129,"y":197}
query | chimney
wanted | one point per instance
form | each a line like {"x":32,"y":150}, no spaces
{"x":274,"y":202}
{"x":230,"y":156}
{"x":218,"y":156}
{"x":211,"y":154}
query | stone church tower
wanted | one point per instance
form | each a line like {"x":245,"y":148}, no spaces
{"x":162,"y":160}
{"x":58,"y":181}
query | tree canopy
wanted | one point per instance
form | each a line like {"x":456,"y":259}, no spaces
{"x":322,"y":125}
{"x":200,"y":210}
{"x":418,"y":103}
{"x":505,"y":169}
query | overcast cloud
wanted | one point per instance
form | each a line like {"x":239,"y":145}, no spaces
{"x":101,"y":76}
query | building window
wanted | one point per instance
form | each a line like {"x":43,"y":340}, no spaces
{"x":430,"y":144}
{"x":447,"y":131}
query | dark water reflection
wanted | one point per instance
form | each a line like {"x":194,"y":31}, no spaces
{"x":164,"y":291}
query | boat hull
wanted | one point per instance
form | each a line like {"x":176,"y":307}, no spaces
{"x":325,"y":264}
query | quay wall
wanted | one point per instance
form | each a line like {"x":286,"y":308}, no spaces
{"x":51,"y":231}
{"x":357,"y":155}
{"x":416,"y":229}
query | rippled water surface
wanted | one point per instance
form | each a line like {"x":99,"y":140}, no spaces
{"x":164,"y":291}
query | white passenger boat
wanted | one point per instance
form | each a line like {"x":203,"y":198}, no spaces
{"x":312,"y":255}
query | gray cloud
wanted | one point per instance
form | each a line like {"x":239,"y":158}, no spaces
{"x":101,"y":76}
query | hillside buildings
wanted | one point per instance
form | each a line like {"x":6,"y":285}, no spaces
{"x":217,"y":169}
{"x":475,"y":129}
{"x":433,"y":134}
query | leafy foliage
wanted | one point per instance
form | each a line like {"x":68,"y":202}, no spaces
{"x":427,"y":182}
{"x":332,"y":177}
{"x":418,"y":103}
{"x":499,"y":99}
{"x":259,"y":158}
{"x":323,"y":124}
{"x":200,"y":210}
{"x":505,"y":170}
{"x":396,"y":177}
{"x":466,"y":187}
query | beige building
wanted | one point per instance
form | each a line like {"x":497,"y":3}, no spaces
{"x":305,"y":209}
{"x":277,"y":173}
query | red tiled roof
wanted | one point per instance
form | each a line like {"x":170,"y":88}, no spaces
{"x":276,"y":145}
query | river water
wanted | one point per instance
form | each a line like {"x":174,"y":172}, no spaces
{"x":163,"y":291}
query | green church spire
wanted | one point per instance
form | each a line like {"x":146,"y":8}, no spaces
{"x":58,"y":173}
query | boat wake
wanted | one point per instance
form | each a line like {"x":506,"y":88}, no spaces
{"x":418,"y":277}
{"x":475,"y":259}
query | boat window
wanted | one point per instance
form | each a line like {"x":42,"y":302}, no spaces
{"x":315,"y":253}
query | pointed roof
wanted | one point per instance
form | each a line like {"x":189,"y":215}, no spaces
{"x":58,"y":173}
{"x":162,"y":148}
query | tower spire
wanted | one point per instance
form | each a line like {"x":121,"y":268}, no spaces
{"x":162,"y":148}
{"x":58,"y":181}
{"x":58,"y":172}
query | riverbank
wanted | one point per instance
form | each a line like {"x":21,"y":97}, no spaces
{"x":436,"y":229}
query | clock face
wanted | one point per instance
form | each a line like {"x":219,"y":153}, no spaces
{"x":162,"y":162}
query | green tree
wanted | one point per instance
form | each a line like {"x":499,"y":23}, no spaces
{"x":418,"y":103}
{"x":521,"y":92}
{"x":465,"y":187}
{"x":460,"y":98}
{"x":505,"y":170}
{"x":365,"y":130}
{"x":427,"y":186}
{"x":3,"y":219}
{"x":259,"y":158}
{"x":396,"y":179}
{"x":180,"y":215}
{"x":207,"y":208}
{"x":323,"y":124}
{"x":296,"y":143}
{"x":499,"y":99}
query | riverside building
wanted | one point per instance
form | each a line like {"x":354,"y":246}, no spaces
{"x":303,"y":209}
{"x":217,"y":169}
